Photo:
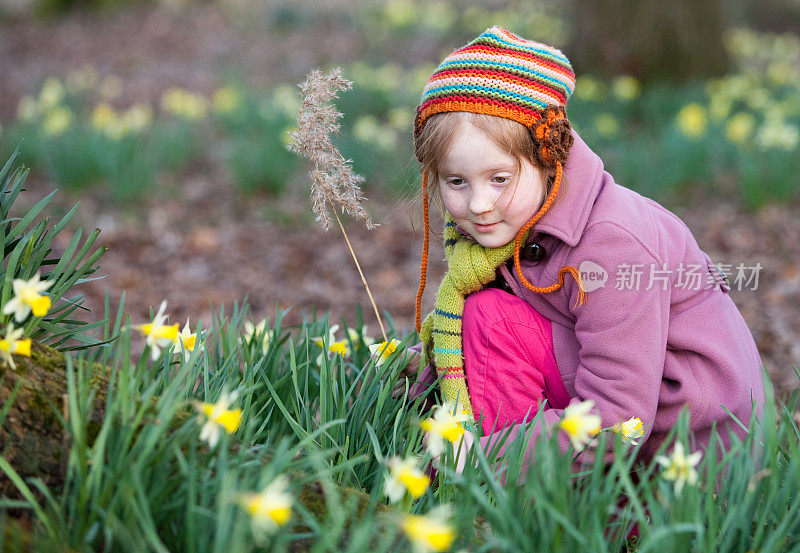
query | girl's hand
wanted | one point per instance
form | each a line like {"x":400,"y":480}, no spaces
{"x":410,"y":373}
{"x":462,"y":450}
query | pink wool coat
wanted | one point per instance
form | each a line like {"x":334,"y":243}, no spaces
{"x":638,"y":349}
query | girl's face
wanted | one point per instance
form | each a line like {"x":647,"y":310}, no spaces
{"x":489,"y":193}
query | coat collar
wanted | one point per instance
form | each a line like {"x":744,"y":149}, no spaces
{"x":567,"y":217}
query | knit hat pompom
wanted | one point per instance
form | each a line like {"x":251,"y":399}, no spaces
{"x":502,"y":74}
{"x":553,"y":138}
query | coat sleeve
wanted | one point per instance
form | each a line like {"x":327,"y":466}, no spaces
{"x":622,"y":335}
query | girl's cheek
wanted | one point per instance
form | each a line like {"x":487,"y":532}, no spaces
{"x":451,"y":201}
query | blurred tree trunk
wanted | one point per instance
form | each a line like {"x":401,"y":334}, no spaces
{"x":675,"y":40}
{"x":775,"y":16}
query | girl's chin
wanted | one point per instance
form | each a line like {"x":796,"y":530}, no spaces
{"x":492,"y":240}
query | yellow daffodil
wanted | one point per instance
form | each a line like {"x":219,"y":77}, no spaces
{"x":680,"y":467}
{"x":185,"y":341}
{"x":184,"y":104}
{"x":719,"y":107}
{"x":225,"y":99}
{"x":28,"y":298}
{"x":401,"y":119}
{"x":631,"y":430}
{"x":692,"y":121}
{"x":270,"y":508}
{"x":431,"y":532}
{"x":579,"y":424}
{"x":758,"y":99}
{"x":780,"y":73}
{"x":159,"y":335}
{"x":257,"y":332}
{"x":138,"y":117}
{"x":51,"y":94}
{"x":286,"y":99}
{"x":400,"y":13}
{"x":369,"y":130}
{"x":444,"y":425}
{"x":218,"y":416}
{"x":117,"y":125}
{"x":57,"y":121}
{"x":626,"y":88}
{"x":606,"y":124}
{"x":384,"y":350}
{"x":404,"y":474}
{"x":589,"y":89}
{"x":778,"y":135}
{"x":740,"y":127}
{"x":335,"y":347}
{"x":12,"y":343}
{"x":102,"y":115}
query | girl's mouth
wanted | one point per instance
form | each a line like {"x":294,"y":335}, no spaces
{"x":485,"y":228}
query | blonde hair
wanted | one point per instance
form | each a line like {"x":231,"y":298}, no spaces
{"x":436,"y":139}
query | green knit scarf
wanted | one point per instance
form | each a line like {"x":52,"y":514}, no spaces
{"x":470,"y":266}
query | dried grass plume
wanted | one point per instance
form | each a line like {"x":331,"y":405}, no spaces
{"x":333,"y":182}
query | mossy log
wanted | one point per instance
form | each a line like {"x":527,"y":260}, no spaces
{"x":34,"y":442}
{"x":32,"y":438}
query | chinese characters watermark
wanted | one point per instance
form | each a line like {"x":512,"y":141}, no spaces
{"x":686,"y":276}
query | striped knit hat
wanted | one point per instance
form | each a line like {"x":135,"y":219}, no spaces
{"x":504,"y":75}
{"x":500,"y":74}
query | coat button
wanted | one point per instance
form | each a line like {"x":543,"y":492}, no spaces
{"x":532,"y":252}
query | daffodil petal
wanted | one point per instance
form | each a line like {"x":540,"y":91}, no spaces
{"x":40,"y":306}
{"x":23,"y":347}
{"x":230,"y":420}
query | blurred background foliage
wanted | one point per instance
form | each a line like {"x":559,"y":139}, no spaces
{"x":671,"y":95}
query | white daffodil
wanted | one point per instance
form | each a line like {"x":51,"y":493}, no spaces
{"x":384,"y":350}
{"x":335,"y":347}
{"x":270,"y":508}
{"x":404,"y":474}
{"x":631,"y":430}
{"x":11,"y":343}
{"x":185,"y":341}
{"x":218,"y":416}
{"x":431,"y":532}
{"x":354,"y":333}
{"x":579,"y":424}
{"x":28,"y":297}
{"x":255,"y":332}
{"x":680,"y":467}
{"x":444,"y":425}
{"x":159,"y":335}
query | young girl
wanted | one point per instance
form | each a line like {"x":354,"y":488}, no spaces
{"x":561,"y":284}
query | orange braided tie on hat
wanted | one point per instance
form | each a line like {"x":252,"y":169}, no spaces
{"x":423,"y":269}
{"x":567,"y":269}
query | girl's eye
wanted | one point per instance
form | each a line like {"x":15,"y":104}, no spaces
{"x":455,"y":182}
{"x":501,"y":179}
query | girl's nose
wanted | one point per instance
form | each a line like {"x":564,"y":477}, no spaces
{"x":481,"y":200}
